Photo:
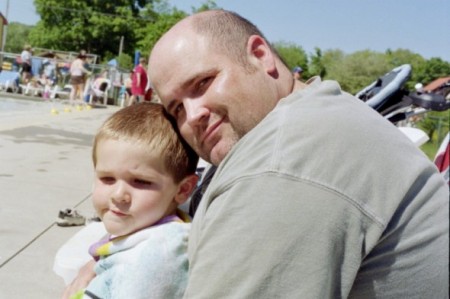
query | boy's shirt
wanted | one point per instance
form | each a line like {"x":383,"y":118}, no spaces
{"x":150,"y":263}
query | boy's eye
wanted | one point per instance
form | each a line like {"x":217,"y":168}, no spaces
{"x":107,"y":180}
{"x":142,"y":182}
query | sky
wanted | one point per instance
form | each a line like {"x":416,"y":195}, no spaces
{"x":421,"y":26}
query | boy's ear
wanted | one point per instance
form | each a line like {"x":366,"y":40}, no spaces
{"x":185,"y":188}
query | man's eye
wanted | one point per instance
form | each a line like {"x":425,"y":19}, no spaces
{"x":203,"y":84}
{"x":178,"y":109}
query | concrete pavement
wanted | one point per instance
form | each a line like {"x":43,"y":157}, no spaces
{"x":45,"y":166}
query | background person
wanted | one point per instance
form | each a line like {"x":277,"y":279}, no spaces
{"x":139,"y":82}
{"x":49,"y":70}
{"x":297,"y":73}
{"x":25,"y":57}
{"x":142,"y":173}
{"x":78,"y":74}
{"x":125,"y":92}
{"x":98,"y":87}
{"x":311,"y":195}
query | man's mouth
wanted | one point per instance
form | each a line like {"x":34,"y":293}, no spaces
{"x":210,"y":131}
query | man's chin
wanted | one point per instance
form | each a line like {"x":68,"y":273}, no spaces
{"x":217,"y":155}
{"x":212,"y":159}
{"x":215,"y":162}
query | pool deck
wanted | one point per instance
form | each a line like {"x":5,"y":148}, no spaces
{"x":45,"y":167}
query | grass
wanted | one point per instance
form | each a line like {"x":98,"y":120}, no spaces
{"x":430,"y":148}
{"x":438,"y":123}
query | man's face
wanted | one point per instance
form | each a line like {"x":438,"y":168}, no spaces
{"x":214,"y":100}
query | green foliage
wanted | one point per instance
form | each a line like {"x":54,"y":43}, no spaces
{"x":316,"y":66}
{"x":125,"y":61}
{"x":208,"y":5}
{"x":96,"y":26}
{"x":357,"y":70}
{"x":293,"y":55}
{"x":403,"y":56}
{"x":435,"y":124}
{"x":432,"y":69}
{"x":430,"y":149}
{"x":150,"y":34}
{"x":328,"y":62}
{"x":16,"y":37}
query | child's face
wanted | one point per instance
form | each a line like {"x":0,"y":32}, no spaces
{"x":131,"y":191}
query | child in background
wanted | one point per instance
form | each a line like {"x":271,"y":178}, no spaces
{"x":143,"y":171}
{"x":125,"y":92}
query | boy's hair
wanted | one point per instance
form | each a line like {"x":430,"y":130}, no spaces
{"x":147,"y":124}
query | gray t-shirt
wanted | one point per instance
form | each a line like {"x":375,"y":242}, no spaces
{"x":322,"y":199}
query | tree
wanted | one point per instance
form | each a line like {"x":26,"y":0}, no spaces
{"x":330,"y":61}
{"x":165,"y":17}
{"x":357,"y":70}
{"x":149,"y":34}
{"x":316,"y":66}
{"x":403,"y":56}
{"x":432,"y":69}
{"x":208,"y":5}
{"x":16,"y":37}
{"x":436,"y":125}
{"x":293,"y":55}
{"x":96,"y":25}
{"x":125,"y":61}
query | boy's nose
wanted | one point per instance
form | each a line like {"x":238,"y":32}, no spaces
{"x":121,"y":194}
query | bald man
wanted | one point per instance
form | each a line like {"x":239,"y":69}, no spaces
{"x":315,"y":194}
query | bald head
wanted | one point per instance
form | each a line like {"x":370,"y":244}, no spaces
{"x":224,"y":31}
{"x":227,"y":31}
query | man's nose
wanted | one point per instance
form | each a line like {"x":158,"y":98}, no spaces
{"x":196,"y":112}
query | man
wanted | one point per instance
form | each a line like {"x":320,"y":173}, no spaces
{"x":315,"y":195}
{"x":139,"y":82}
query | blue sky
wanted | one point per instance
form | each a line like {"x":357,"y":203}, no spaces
{"x":421,"y":26}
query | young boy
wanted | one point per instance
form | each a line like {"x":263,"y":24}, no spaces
{"x":143,"y":171}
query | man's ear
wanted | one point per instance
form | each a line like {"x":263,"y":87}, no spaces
{"x":260,"y":52}
{"x":185,"y":188}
